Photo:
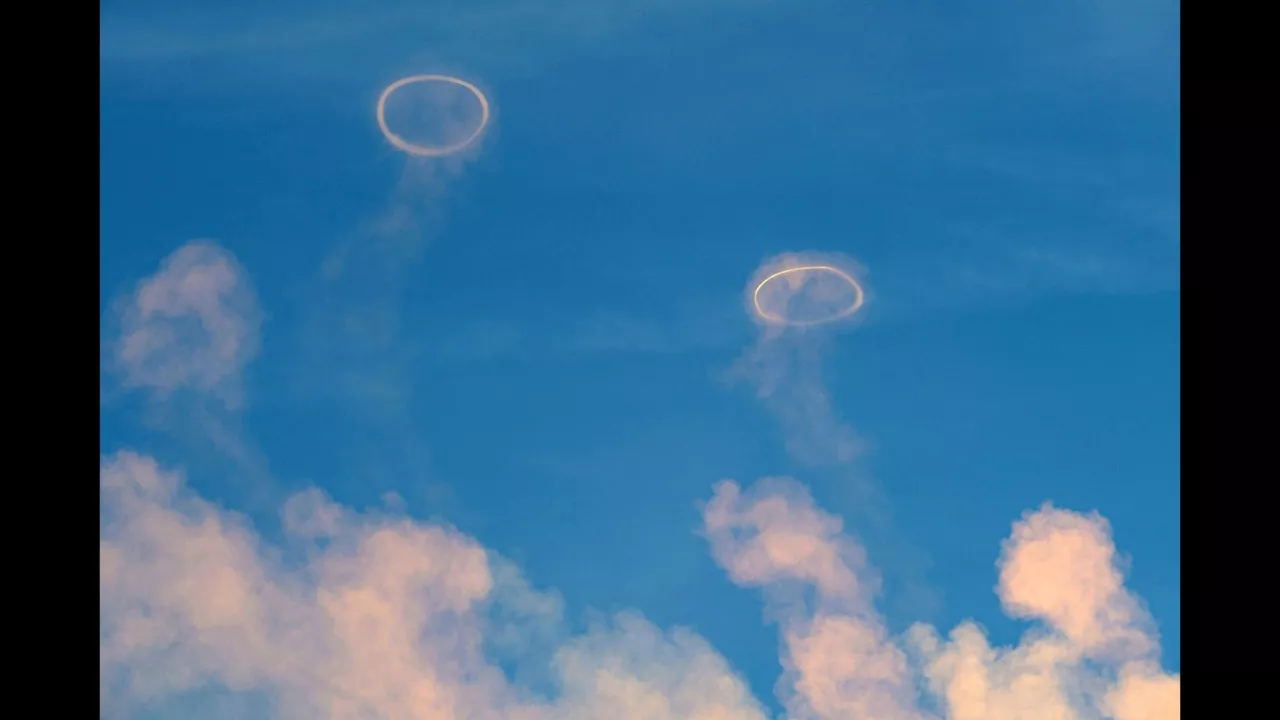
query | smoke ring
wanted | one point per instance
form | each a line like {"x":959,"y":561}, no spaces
{"x":428,"y":150}
{"x":859,"y":297}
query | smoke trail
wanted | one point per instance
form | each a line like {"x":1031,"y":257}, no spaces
{"x":798,"y":302}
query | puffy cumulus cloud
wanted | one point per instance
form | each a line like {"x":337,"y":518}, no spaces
{"x":194,"y":324}
{"x":784,"y":365}
{"x":774,"y":533}
{"x":383,"y":618}
{"x":1145,"y":692}
{"x":1060,"y":567}
{"x":633,"y":671}
{"x":838,"y":658}
{"x":846,"y":666}
{"x":1094,"y":654}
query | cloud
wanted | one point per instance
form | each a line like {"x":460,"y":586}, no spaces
{"x":193,"y":325}
{"x":1060,"y":567}
{"x":384,"y":618}
{"x":1145,"y":693}
{"x":511,"y":31}
{"x":636,"y":672}
{"x":1093,"y":655}
{"x":184,"y":337}
{"x":688,"y":328}
{"x":1143,"y":31}
{"x":359,"y":614}
{"x":799,"y":302}
{"x":776,"y":534}
{"x":838,"y":659}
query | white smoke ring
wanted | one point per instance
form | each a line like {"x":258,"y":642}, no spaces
{"x":429,"y":150}
{"x":859,"y":296}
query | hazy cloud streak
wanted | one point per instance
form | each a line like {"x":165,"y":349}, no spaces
{"x":193,"y":325}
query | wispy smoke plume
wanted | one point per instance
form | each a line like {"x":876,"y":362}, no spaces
{"x":184,"y":338}
{"x":784,"y":365}
{"x":354,"y":328}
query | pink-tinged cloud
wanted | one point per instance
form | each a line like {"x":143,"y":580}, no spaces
{"x":1097,"y":653}
{"x":194,"y":324}
{"x":390,"y":618}
{"x":846,"y":666}
{"x":386,"y":618}
{"x":1094,"y":655}
{"x":1060,"y":567}
{"x":838,"y":658}
{"x":1145,"y":692}
{"x":775,"y":534}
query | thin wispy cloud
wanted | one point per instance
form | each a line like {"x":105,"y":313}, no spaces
{"x":684,"y":329}
{"x":1134,"y":31}
{"x":508,"y":29}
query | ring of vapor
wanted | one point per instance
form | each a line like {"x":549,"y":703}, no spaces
{"x":859,"y":296}
{"x":428,"y":150}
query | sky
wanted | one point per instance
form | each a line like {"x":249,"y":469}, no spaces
{"x":502,"y":434}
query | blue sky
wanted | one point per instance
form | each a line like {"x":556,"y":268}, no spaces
{"x":533,"y":342}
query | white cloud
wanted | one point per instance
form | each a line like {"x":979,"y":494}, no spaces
{"x":838,"y":657}
{"x":393,"y":618}
{"x":389,"y":619}
{"x":401,"y":619}
{"x":504,"y":29}
{"x":1093,"y":656}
